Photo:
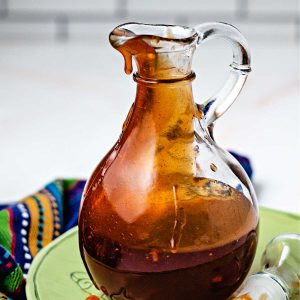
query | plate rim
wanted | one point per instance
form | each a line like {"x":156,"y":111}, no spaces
{"x":30,"y":288}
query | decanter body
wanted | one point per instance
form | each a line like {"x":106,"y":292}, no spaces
{"x":167,"y":214}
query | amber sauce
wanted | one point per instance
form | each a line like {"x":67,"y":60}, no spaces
{"x":149,"y":228}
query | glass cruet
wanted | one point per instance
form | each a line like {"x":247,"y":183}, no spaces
{"x":168,"y":214}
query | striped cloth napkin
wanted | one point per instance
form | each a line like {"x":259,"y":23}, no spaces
{"x":31,"y":224}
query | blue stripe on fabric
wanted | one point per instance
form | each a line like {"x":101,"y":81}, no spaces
{"x":17,"y":226}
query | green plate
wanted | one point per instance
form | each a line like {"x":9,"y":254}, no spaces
{"x":57,"y":272}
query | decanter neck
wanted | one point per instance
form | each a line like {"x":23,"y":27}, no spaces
{"x":168,"y":104}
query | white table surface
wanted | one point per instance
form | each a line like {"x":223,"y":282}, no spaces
{"x":62,"y":108}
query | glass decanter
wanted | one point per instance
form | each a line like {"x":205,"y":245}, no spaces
{"x":168,"y":214}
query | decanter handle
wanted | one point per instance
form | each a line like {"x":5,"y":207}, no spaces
{"x":214,"y":107}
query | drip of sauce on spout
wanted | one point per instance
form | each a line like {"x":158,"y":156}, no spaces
{"x":127,"y":60}
{"x":133,"y":45}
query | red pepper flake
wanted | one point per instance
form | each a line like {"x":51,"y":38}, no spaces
{"x":217,"y":279}
{"x":154,"y":254}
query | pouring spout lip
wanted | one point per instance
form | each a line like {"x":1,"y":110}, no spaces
{"x":175,"y":34}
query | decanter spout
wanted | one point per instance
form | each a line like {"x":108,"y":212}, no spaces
{"x":160,"y":51}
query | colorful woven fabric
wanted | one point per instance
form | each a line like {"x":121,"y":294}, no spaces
{"x":31,"y":224}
